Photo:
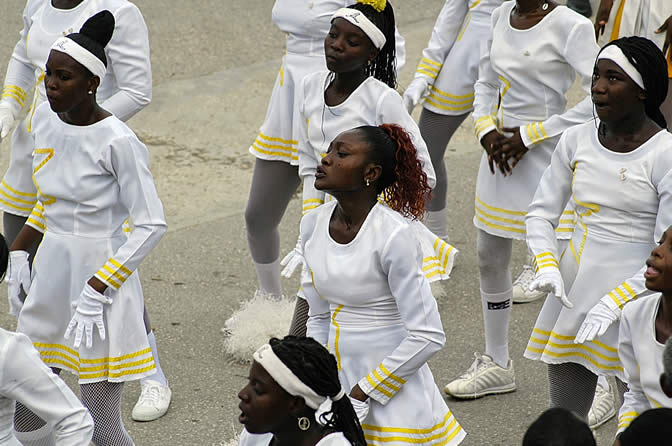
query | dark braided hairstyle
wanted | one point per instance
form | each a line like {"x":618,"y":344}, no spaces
{"x":95,"y":34}
{"x":317,"y":369}
{"x":403,"y":182}
{"x":647,"y":58}
{"x":384,"y":66}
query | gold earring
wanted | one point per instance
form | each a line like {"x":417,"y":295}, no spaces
{"x":368,"y":183}
{"x":304,"y":423}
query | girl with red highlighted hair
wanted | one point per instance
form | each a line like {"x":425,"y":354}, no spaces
{"x":368,"y":298}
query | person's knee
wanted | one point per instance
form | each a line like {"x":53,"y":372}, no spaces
{"x":255,"y":222}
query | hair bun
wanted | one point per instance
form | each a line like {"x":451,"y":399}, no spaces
{"x":99,"y":28}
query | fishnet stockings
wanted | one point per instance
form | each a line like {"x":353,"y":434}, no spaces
{"x":103,"y":399}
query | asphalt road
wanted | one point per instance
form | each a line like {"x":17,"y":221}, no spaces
{"x":214,"y":65}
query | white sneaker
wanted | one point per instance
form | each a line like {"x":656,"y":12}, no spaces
{"x":153,"y":402}
{"x":484,"y":377}
{"x":521,"y":291}
{"x":603,"y":408}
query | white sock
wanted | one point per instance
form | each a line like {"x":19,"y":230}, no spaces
{"x":437,"y":222}
{"x":268,"y":275}
{"x":496,"y":315}
{"x":41,"y":437}
{"x":158,"y":376}
{"x":602,"y":382}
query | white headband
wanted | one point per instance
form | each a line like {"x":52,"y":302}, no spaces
{"x":288,"y":380}
{"x":614,"y":54}
{"x":81,"y":55}
{"x":358,"y":19}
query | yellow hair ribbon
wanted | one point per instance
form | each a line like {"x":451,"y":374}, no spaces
{"x":378,"y":5}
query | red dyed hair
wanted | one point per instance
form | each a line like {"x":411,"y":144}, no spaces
{"x":406,"y":188}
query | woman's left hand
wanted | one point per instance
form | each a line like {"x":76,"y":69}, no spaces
{"x":512,"y":148}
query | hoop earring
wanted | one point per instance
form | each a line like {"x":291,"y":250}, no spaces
{"x":368,"y":183}
{"x":304,"y":423}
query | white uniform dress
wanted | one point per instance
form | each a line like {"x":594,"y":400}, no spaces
{"x":89,"y":180}
{"x":372,"y":103}
{"x":623,"y":203}
{"x":372,"y":306}
{"x":125,"y":89}
{"x":25,"y":378}
{"x":333,"y":439}
{"x":530,"y":70}
{"x":450,"y":61}
{"x":642,"y":358}
{"x":306,"y":24}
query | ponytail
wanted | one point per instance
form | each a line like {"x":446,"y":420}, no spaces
{"x":403,"y":182}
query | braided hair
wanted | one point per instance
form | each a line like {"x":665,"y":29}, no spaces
{"x":403,"y":182}
{"x":317,"y":369}
{"x":647,"y":58}
{"x":95,"y":34}
{"x":384,"y":66}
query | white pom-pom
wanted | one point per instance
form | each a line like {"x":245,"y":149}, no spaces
{"x":255,"y":322}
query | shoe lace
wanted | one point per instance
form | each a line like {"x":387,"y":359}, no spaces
{"x":525,"y":277}
{"x":479,"y":362}
{"x":150,"y":395}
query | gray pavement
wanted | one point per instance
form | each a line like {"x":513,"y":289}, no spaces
{"x":214,"y":66}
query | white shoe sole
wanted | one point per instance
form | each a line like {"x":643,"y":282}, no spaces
{"x":491,"y":391}
{"x":609,"y":416}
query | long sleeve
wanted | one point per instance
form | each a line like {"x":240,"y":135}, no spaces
{"x":400,"y":50}
{"x":634,"y":400}
{"x":36,"y":218}
{"x":580,"y":52}
{"x":391,"y":110}
{"x":129,"y":163}
{"x":486,"y":89}
{"x":546,"y":209}
{"x":25,"y":378}
{"x":20,"y":77}
{"x":444,"y":34}
{"x":401,"y":260}
{"x":312,"y":198}
{"x":128,"y":59}
{"x":319,"y":312}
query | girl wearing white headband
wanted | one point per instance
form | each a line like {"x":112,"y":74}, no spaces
{"x":125,"y":89}
{"x":617,"y":169}
{"x":534,"y":52}
{"x":83,"y":311}
{"x":357,"y":90}
{"x":646,"y":18}
{"x":294,"y":397}
{"x":275,"y":178}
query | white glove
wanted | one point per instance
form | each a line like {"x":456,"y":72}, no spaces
{"x":361,"y":408}
{"x":417,"y":89}
{"x":18,"y":276}
{"x":89,"y":311}
{"x":292,"y":260}
{"x":549,"y":280}
{"x":597,"y":321}
{"x":7,"y":119}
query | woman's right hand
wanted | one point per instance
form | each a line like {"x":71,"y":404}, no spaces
{"x":602,"y":17}
{"x":492,"y":143}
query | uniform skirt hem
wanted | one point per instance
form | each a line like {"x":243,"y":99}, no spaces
{"x":576,"y":360}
